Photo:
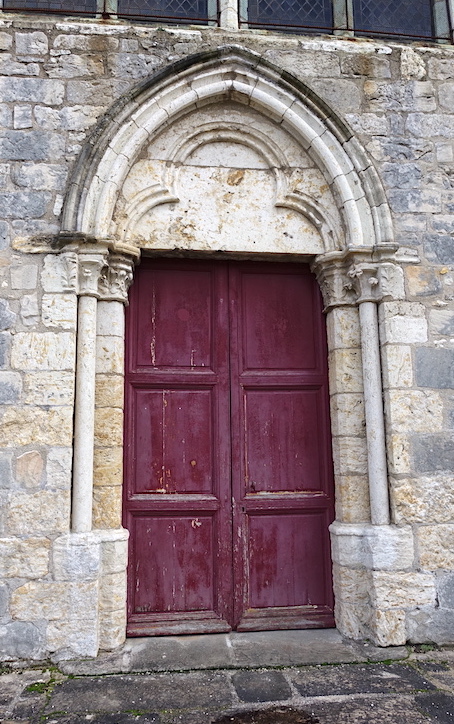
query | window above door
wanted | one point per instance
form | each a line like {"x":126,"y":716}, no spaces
{"x":430,"y":20}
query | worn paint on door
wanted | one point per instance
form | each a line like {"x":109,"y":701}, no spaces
{"x":229,"y":489}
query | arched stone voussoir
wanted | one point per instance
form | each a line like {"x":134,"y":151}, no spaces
{"x":229,"y":73}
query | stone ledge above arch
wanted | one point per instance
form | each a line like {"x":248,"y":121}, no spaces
{"x":235,"y":75}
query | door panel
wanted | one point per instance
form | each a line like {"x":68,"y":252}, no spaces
{"x":228,"y":462}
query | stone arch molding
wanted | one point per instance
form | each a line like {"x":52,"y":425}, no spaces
{"x":229,"y":74}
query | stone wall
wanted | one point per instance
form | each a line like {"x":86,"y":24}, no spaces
{"x":62,"y":594}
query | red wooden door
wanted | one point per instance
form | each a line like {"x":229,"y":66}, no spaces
{"x":229,"y":489}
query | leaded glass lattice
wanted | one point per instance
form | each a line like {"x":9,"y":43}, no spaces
{"x":183,"y":10}
{"x":411,"y":18}
{"x":291,"y":13}
{"x":71,"y":7}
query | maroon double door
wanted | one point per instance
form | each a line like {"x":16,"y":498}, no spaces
{"x":229,"y":490}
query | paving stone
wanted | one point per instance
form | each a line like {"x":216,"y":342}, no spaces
{"x":374,"y":679}
{"x":144,"y":693}
{"x":369,"y":711}
{"x":131,"y":718}
{"x":439,"y":706}
{"x":254,"y":686}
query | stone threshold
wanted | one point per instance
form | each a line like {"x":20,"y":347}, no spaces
{"x":233,"y":650}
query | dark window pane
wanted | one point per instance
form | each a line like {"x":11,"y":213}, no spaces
{"x":290,"y":13}
{"x":69,"y":7}
{"x":394,"y":17}
{"x":166,"y":9}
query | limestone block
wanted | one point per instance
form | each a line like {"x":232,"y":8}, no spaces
{"x":352,"y":585}
{"x":439,"y":248}
{"x":347,"y":414}
{"x":41,"y":512}
{"x":376,"y":547}
{"x":433,"y":453}
{"x":7,"y":317}
{"x":111,"y":319}
{"x":74,"y":66}
{"x":342,"y":95}
{"x":352,"y":499}
{"x":24,"y":276}
{"x":403,"y":590}
{"x":414,"y":410}
{"x":43,"y":176}
{"x":10,"y":67}
{"x":350,"y":455}
{"x":371,"y":124}
{"x":445,"y":587}
{"x":29,"y":469}
{"x":398,"y":452}
{"x":6,"y":41}
{"x":6,"y":474}
{"x":29,"y":310}
{"x":112,"y":629}
{"x":436,"y":546}
{"x":110,"y":354}
{"x":10,"y":387}
{"x":345,"y":370}
{"x":133,"y":66}
{"x":4,"y":601}
{"x":424,"y":499}
{"x":4,"y":231}
{"x":72,"y":638}
{"x":74,"y":118}
{"x":59,"y":310}
{"x":397,"y":366}
{"x":59,"y":273}
{"x":402,"y":175}
{"x":421,"y":281}
{"x":389,"y":627}
{"x":108,"y":427}
{"x":352,"y":620}
{"x":109,"y":391}
{"x":107,"y":507}
{"x":112,"y":592}
{"x":444,"y":152}
{"x":306,"y":64}
{"x":43,"y":351}
{"x":32,"y":90}
{"x":114,"y":555}
{"x":412,"y":65}
{"x":24,"y":558}
{"x":76,"y":557}
{"x":430,"y":625}
{"x":426,"y":125}
{"x":440,"y":68}
{"x":33,"y":425}
{"x":23,"y":117}
{"x":31,"y":43}
{"x":59,"y":467}
{"x":53,"y":601}
{"x":29,"y":146}
{"x":20,"y":640}
{"x":434,"y":368}
{"x":343,"y":328}
{"x":415,"y":200}
{"x":108,"y":466}
{"x":49,"y":388}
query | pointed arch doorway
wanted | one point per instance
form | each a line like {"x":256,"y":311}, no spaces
{"x":229,"y":477}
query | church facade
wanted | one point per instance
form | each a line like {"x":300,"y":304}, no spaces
{"x":227,"y":322}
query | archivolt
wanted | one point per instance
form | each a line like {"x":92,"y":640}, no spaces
{"x":229,"y":73}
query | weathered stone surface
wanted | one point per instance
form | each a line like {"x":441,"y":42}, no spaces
{"x":430,"y":625}
{"x":350,"y":455}
{"x":439,"y":248}
{"x":74,"y":66}
{"x":107,"y":507}
{"x":7,"y":317}
{"x":112,"y":627}
{"x":30,"y":469}
{"x":23,"y":275}
{"x":415,"y":200}
{"x":345,"y":370}
{"x":22,"y":117}
{"x":29,"y":309}
{"x":6,"y":474}
{"x":20,"y":640}
{"x":76,"y":557}
{"x":111,"y":319}
{"x":32,"y":425}
{"x":397,"y":366}
{"x":433,"y":453}
{"x":30,"y":146}
{"x":445,"y":587}
{"x":114,"y":556}
{"x":53,"y":601}
{"x":4,"y":235}
{"x":6,"y":41}
{"x":352,"y":499}
{"x":403,"y":326}
{"x":398,"y":449}
{"x":45,"y":176}
{"x":434,"y":368}
{"x":112,"y":591}
{"x":31,"y":43}
{"x":109,"y":354}
{"x":422,"y":282}
{"x":109,"y":391}
{"x":252,"y":686}
{"x":76,"y":636}
{"x":10,"y":387}
{"x":49,"y":388}
{"x":402,"y":590}
{"x":347,"y":414}
{"x":59,"y":310}
{"x":389,"y":627}
{"x":24,"y":558}
{"x":40,"y":512}
{"x":414,"y":410}
{"x":108,"y":466}
{"x":43,"y":351}
{"x":59,"y":467}
{"x":436,"y":546}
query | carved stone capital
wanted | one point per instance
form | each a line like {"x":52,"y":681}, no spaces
{"x":360,"y":275}
{"x":116,"y":278}
{"x":90,"y":268}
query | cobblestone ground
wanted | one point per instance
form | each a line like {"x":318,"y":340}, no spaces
{"x":416,"y":691}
